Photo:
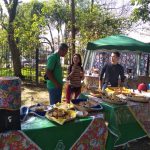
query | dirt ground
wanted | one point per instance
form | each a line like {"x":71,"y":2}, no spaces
{"x":31,"y":95}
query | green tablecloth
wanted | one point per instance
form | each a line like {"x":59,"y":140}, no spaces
{"x":121,"y":123}
{"x":81,"y":133}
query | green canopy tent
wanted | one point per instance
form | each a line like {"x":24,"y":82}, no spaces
{"x":116,"y":42}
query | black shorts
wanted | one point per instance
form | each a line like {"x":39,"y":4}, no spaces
{"x":74,"y":89}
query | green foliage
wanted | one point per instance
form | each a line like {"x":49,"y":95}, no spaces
{"x":28,"y":25}
{"x":6,"y":72}
{"x":3,"y":37}
{"x":141,"y":10}
{"x":97,"y":23}
{"x":56,"y":13}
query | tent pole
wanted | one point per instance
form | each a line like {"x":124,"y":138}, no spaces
{"x":147,"y":67}
{"x":86,"y":56}
{"x":92,"y":56}
{"x":138,"y":64}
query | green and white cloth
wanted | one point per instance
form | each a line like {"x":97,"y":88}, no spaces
{"x":89,"y":132}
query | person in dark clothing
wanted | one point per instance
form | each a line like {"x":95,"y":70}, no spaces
{"x":112,"y":71}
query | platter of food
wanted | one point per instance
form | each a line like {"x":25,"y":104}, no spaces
{"x":117,"y":90}
{"x":95,"y":93}
{"x":64,"y":105}
{"x":82,"y":113}
{"x":114,"y":100}
{"x":39,"y":109}
{"x":87,"y":105}
{"x":60,"y":116}
{"x":138,"y":98}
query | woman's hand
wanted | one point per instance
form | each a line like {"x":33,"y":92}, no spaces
{"x":82,"y":75}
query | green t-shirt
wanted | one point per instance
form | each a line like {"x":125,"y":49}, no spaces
{"x":53,"y":63}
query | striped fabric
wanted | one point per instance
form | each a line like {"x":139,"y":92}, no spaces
{"x":75,"y":76}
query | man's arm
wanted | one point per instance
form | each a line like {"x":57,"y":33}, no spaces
{"x":100,"y":84}
{"x":101,"y":77}
{"x":122,"y":76}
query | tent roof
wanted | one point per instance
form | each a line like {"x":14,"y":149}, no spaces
{"x":119,"y":42}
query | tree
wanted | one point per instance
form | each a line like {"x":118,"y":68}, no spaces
{"x":91,"y":21}
{"x":57,"y":14}
{"x":29,"y":23}
{"x":141,"y":10}
{"x":11,"y":7}
{"x":97,"y":23}
{"x":73,"y":32}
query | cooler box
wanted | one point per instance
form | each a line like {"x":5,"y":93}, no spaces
{"x":10,"y":103}
{"x":10,"y":120}
{"x":10,"y":92}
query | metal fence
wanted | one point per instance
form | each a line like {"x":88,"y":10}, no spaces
{"x":33,"y":65}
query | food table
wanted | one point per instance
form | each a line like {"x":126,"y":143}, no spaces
{"x":91,"y":80}
{"x":127,"y":122}
{"x":40,"y":133}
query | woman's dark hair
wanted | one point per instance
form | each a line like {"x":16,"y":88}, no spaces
{"x":117,"y":53}
{"x":80,"y":63}
{"x":79,"y":56}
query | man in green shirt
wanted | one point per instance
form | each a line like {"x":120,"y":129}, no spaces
{"x":54,"y":73}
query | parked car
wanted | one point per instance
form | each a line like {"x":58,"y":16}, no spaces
{"x":24,"y":61}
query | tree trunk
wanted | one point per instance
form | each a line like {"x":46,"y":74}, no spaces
{"x":58,"y":37}
{"x":92,"y":3}
{"x":14,"y":51}
{"x":73,"y":26}
{"x":11,"y":8}
{"x":51,"y":36}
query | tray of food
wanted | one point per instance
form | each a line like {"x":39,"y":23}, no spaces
{"x":87,"y":105}
{"x":64,"y":105}
{"x":60,"y":116}
{"x":138,"y":98}
{"x":114,"y":100}
{"x":117,"y":90}
{"x":96,"y":93}
{"x":82,"y":113}
{"x":39,"y":109}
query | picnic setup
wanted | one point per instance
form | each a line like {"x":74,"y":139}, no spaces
{"x":47,"y":127}
{"x":126,"y":108}
{"x":74,"y":75}
{"x":96,"y":119}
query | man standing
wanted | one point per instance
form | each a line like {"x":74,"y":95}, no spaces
{"x":112,"y":72}
{"x":54,"y":74}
